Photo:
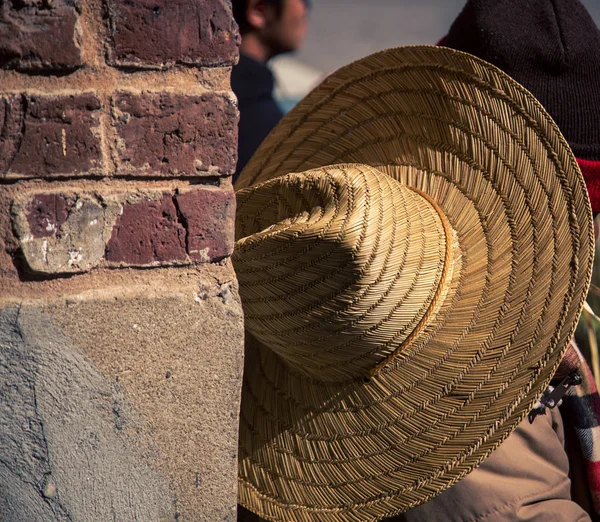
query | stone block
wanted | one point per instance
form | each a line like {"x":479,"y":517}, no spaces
{"x":63,"y":233}
{"x":40,"y":35}
{"x":72,"y":447}
{"x":162,"y":33}
{"x":174,"y":135}
{"x":45,"y":136}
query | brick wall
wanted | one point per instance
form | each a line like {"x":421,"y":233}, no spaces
{"x":118,"y":138}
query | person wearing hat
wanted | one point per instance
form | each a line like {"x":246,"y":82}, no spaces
{"x":552,"y":48}
{"x":414,"y":243}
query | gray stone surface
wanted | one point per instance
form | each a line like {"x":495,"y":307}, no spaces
{"x":177,"y":351}
{"x":68,"y":437}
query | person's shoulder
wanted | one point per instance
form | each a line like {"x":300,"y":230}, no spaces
{"x":251,"y":75}
{"x":263,"y":108}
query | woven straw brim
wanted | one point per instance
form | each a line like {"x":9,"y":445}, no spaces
{"x":481,"y":147}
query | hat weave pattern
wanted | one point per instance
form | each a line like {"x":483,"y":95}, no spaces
{"x":319,"y":443}
{"x":345,"y":276}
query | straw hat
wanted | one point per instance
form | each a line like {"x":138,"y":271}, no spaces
{"x":413,"y":252}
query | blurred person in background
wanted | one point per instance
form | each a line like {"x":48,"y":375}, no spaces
{"x":268,"y":28}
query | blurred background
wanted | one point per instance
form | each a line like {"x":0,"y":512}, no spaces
{"x":341,"y":31}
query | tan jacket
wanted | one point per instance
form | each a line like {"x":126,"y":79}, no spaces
{"x":525,"y":480}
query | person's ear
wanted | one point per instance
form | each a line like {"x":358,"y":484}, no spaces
{"x":257,"y":14}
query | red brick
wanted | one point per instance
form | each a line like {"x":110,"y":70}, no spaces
{"x":12,"y":114}
{"x":47,"y":212}
{"x":194,"y":226}
{"x":161,"y":33}
{"x":170,"y":134}
{"x":43,"y":136}
{"x":39,"y":35}
{"x":148,"y":232}
{"x":209,"y":216}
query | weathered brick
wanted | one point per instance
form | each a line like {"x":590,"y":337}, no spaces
{"x":147,"y":232}
{"x":63,"y":232}
{"x":169,"y":134}
{"x":39,"y":35}
{"x":210,"y":218}
{"x":161,"y":33}
{"x":47,"y":213}
{"x":76,"y":230}
{"x":44,"y":136}
{"x":196,"y":225}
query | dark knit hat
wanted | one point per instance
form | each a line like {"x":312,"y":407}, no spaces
{"x":552,"y":47}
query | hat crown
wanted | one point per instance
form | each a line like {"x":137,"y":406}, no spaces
{"x":338,"y":267}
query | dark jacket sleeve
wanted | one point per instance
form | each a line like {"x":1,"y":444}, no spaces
{"x":256,"y":121}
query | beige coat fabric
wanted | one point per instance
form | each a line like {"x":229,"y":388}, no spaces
{"x":525,"y":480}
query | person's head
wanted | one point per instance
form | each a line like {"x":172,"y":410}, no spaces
{"x":271,"y":27}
